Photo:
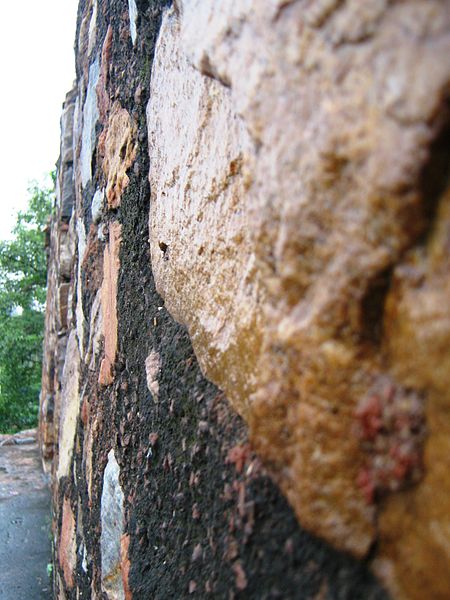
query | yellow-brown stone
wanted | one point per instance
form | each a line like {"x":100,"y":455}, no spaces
{"x":290,"y":151}
{"x":415,"y":525}
{"x":119,"y":153}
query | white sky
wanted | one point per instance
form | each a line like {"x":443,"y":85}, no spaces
{"x":37,"y":68}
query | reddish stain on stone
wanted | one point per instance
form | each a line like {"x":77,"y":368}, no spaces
{"x":85,"y":410}
{"x":106,"y":374}
{"x":390,"y":424}
{"x":111,"y":265}
{"x":125,"y":565}
{"x":67,"y":550}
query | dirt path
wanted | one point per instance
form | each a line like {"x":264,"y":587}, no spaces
{"x":24,"y":520}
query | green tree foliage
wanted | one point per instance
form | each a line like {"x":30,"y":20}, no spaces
{"x":22,"y":300}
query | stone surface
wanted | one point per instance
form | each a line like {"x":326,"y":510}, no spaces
{"x":153,"y":370}
{"x":418,"y":320}
{"x":119,"y":152}
{"x":70,"y":404}
{"x":90,"y":118}
{"x":67,"y":547}
{"x":111,"y":266}
{"x":125,"y":565}
{"x":96,"y":329}
{"x":92,"y":34}
{"x":133,"y":12}
{"x":290,"y":145}
{"x":80,"y":318}
{"x":112,"y":519}
{"x":190,"y":206}
{"x":97,"y":205}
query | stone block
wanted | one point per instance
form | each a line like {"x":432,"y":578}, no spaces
{"x":291,"y":148}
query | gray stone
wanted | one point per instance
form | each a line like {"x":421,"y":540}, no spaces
{"x":82,"y":243}
{"x":90,"y":118}
{"x":67,"y":193}
{"x":67,"y":128}
{"x":133,"y":17}
{"x":112,"y":519}
{"x":92,"y":28}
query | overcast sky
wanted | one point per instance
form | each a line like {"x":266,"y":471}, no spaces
{"x":37,"y":69}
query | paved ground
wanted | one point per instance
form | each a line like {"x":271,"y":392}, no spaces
{"x":24,"y":521}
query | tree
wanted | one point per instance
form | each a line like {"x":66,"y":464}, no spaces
{"x":22,"y":301}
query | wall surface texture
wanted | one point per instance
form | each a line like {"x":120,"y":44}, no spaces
{"x":247,"y":359}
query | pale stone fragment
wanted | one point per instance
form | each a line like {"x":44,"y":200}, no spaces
{"x":92,"y":34}
{"x":152,"y":370}
{"x":69,"y":405}
{"x":95,"y":332}
{"x":132,"y":10}
{"x":112,"y":519}
{"x":91,"y":432}
{"x":90,"y":118}
{"x":61,"y":594}
{"x":80,"y":320}
{"x":77,"y":136}
{"x":97,"y":205}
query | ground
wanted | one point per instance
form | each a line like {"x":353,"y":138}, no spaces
{"x":25,"y":546}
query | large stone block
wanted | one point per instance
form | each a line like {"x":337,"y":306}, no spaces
{"x":294,"y":230}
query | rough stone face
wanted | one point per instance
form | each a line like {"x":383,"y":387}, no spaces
{"x":112,"y":519}
{"x":90,"y":118}
{"x":111,"y":266}
{"x":120,"y":153}
{"x":97,"y":205}
{"x":153,"y":370}
{"x":69,"y":406}
{"x":290,"y":150}
{"x":191,"y":206}
{"x":125,"y":565}
{"x":67,"y":548}
{"x":133,"y":16}
{"x":418,"y":319}
{"x":96,"y":329}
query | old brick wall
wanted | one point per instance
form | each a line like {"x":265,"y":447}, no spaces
{"x":254,"y":196}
